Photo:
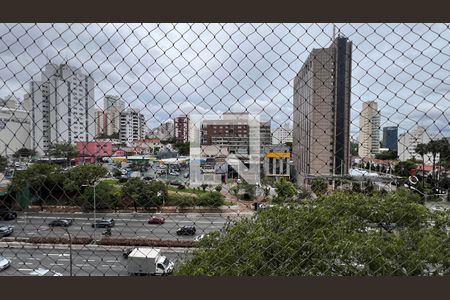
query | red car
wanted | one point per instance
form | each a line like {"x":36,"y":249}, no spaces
{"x":156,"y":220}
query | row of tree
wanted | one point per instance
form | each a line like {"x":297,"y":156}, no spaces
{"x":435,"y":147}
{"x":337,"y":235}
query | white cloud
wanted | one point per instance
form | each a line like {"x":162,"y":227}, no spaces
{"x":169,"y":69}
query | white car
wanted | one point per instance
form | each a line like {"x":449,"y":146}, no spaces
{"x":438,"y":208}
{"x":4,"y":263}
{"x":198,"y":238}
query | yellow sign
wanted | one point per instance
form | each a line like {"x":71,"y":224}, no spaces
{"x":278,"y":155}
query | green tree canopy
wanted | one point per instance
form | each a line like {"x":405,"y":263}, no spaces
{"x":24,"y":152}
{"x":285,"y":191}
{"x":82,"y":175}
{"x":342,"y":234}
{"x":65,"y":150}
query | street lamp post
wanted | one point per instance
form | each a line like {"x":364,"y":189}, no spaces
{"x":95,"y":204}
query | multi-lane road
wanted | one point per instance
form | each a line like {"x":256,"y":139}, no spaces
{"x":127,"y":225}
{"x":100,"y":261}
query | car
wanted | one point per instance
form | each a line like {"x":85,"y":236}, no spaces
{"x":103,"y":223}
{"x":156,"y":220}
{"x":186,"y":230}
{"x":6,"y":231}
{"x":60,"y":223}
{"x":4,"y":263}
{"x":199,"y":238}
{"x":438,"y":208}
{"x":127,"y":252}
{"x":7,"y":214}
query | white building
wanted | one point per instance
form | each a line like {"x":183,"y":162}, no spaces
{"x":62,"y":107}
{"x":369,"y":129}
{"x":132,"y":125}
{"x":282,"y":135}
{"x":408,"y":141}
{"x":14,"y":129}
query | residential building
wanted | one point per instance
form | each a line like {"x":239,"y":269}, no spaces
{"x":132,"y":124}
{"x":408,"y":141}
{"x":277,"y":161}
{"x":321,"y":131}
{"x":108,"y":120}
{"x":233,"y":131}
{"x":390,"y":138}
{"x":62,"y":107}
{"x":14,"y":129}
{"x":181,"y":128}
{"x":164,"y":132}
{"x":282,"y":135}
{"x":369,"y":130}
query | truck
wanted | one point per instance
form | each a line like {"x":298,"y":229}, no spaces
{"x":148,"y":261}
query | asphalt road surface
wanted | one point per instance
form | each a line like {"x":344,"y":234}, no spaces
{"x":127,"y":225}
{"x":87,"y":262}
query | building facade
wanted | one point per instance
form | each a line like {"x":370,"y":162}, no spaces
{"x":233,"y":132}
{"x":408,"y":141}
{"x":108,"y":119}
{"x":277,"y":161}
{"x":282,"y":135}
{"x":369,"y":130}
{"x":321,"y":131}
{"x":132,"y":125}
{"x":181,"y":128}
{"x":91,"y":151}
{"x":62,"y":107}
{"x":14,"y":130}
{"x":390,"y":138}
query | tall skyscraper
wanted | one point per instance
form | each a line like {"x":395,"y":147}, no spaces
{"x":390,"y":138}
{"x":62,"y":107}
{"x":369,"y":129}
{"x":321,"y":132}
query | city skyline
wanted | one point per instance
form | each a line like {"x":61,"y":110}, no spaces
{"x":215,"y":81}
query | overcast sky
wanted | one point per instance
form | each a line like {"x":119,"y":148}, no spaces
{"x":170,"y":69}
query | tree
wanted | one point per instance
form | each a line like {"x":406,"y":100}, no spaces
{"x":183,"y":148}
{"x":403,"y":168}
{"x":218,"y":188}
{"x":3,"y":163}
{"x":435,"y":148}
{"x":285,"y":191}
{"x":354,"y":149}
{"x":204,"y":186}
{"x":213,"y":199}
{"x":83,"y":175}
{"x":24,"y":152}
{"x":319,"y":186}
{"x":422,"y":150}
{"x":63,"y":150}
{"x":338,"y":235}
{"x":387,"y":155}
{"x":44,"y":181}
{"x":145,"y":194}
{"x":235,"y":191}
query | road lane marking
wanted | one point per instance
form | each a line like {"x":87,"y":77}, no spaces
{"x":25,"y":269}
